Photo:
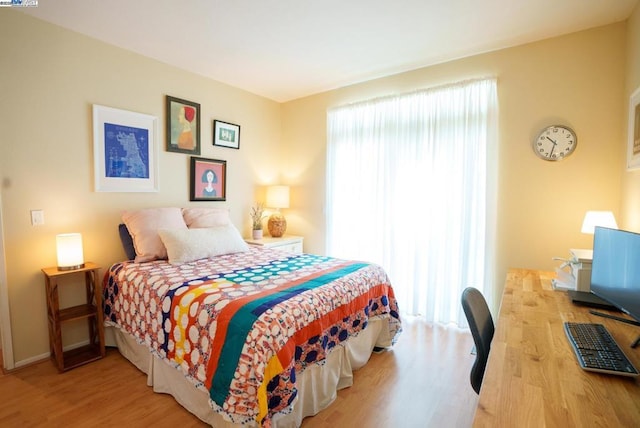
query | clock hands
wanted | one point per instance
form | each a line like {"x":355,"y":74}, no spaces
{"x":554,"y":146}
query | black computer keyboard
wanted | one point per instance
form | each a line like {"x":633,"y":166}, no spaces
{"x":597,"y":351}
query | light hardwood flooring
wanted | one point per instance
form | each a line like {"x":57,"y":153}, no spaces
{"x":422,"y":382}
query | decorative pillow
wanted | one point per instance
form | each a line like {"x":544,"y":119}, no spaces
{"x":143,"y":226}
{"x":205,"y":217}
{"x":184,"y":246}
{"x":127,"y":241}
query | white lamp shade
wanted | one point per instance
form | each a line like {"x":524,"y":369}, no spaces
{"x":598,"y":218}
{"x":69,"y":251}
{"x":278,"y":196}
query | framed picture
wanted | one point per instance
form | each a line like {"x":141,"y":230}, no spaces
{"x":183,"y":126}
{"x":208,"y":179}
{"x":226,"y":134}
{"x":633,"y":144}
{"x":125,"y":150}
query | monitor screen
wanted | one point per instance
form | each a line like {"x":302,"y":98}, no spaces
{"x":615,"y":272}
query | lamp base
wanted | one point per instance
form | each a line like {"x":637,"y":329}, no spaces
{"x":277,"y":225}
{"x":80,"y":266}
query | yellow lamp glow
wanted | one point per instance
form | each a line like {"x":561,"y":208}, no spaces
{"x":69,"y":251}
{"x":277,"y":197}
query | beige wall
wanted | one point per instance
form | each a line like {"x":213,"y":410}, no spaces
{"x":50,"y":77}
{"x":631,"y":179}
{"x":575,"y":80}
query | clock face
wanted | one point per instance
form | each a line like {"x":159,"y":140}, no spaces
{"x":555,"y":143}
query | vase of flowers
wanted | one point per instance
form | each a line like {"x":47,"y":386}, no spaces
{"x":257,"y":215}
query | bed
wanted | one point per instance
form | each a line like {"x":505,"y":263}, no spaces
{"x":245,"y":336}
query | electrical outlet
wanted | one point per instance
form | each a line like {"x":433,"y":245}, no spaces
{"x":37,"y":217}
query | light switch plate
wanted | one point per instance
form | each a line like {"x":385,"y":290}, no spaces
{"x":37,"y":217}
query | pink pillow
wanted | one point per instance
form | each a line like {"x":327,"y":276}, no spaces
{"x":143,"y":226}
{"x":205,"y":217}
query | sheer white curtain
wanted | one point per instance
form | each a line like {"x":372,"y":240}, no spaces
{"x":411,"y":186}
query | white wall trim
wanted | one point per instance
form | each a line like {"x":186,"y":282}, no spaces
{"x":5,"y":316}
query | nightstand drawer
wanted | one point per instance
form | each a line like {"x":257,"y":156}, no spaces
{"x":291,"y":248}
{"x":289,"y":243}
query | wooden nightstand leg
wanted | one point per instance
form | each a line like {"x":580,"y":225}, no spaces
{"x":55,"y":342}
{"x":89,"y":284}
{"x":99,"y":312}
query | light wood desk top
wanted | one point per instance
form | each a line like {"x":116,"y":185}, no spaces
{"x":533,"y":377}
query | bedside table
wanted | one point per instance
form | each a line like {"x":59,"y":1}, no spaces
{"x":91,"y":311}
{"x":289,"y":243}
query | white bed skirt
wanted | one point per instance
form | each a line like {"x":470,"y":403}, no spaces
{"x":317,"y":385}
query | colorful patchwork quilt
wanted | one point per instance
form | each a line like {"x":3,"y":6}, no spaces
{"x":244,"y":325}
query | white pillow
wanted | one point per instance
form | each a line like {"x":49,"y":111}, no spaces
{"x":187,"y":245}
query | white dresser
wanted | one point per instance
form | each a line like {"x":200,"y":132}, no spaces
{"x":290,"y":243}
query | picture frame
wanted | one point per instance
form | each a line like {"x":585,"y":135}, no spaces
{"x":125,"y":150}
{"x":208,"y":179}
{"x":182,"y":117}
{"x":226,"y":134}
{"x":633,"y":134}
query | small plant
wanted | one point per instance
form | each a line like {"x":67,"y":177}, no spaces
{"x":257,"y":215}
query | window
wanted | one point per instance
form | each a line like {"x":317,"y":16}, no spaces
{"x":411,"y":186}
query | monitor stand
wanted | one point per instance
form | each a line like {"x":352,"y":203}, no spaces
{"x":584,"y":298}
{"x":625,"y":320}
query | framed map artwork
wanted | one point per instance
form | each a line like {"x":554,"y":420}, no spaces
{"x":125,"y":150}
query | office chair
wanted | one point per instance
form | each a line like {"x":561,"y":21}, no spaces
{"x":481,"y":326}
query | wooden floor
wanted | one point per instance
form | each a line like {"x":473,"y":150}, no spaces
{"x":422,"y":382}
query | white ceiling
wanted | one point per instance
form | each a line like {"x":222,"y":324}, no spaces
{"x":287,"y":49}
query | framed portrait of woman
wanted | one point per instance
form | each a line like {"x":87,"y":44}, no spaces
{"x":183,"y":126}
{"x":208,"y":179}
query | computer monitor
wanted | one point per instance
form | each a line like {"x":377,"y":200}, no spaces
{"x":615,"y":270}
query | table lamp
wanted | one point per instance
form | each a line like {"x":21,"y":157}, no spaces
{"x":69,"y":251}
{"x":581,"y":259}
{"x":277,"y":197}
{"x":598,"y":218}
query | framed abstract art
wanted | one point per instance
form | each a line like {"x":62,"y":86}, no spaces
{"x":633,"y":142}
{"x":226,"y":134}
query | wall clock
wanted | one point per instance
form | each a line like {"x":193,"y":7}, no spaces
{"x":555,"y":143}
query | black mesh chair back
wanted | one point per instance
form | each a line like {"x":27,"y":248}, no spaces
{"x":481,"y":326}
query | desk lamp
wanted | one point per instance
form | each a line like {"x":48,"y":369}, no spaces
{"x":277,"y":197}
{"x":591,"y":220}
{"x":598,"y":218}
{"x":581,"y":259}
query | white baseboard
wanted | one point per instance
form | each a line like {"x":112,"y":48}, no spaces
{"x":47,"y":355}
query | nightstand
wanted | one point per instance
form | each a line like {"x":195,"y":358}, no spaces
{"x":290,"y":243}
{"x":90,"y":311}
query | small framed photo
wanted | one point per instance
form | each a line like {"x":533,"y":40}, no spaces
{"x":633,"y":144}
{"x":125,"y":150}
{"x":208,"y":179}
{"x":183,"y":126}
{"x":226,"y":134}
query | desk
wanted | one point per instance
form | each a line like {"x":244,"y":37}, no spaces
{"x":532,"y":376}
